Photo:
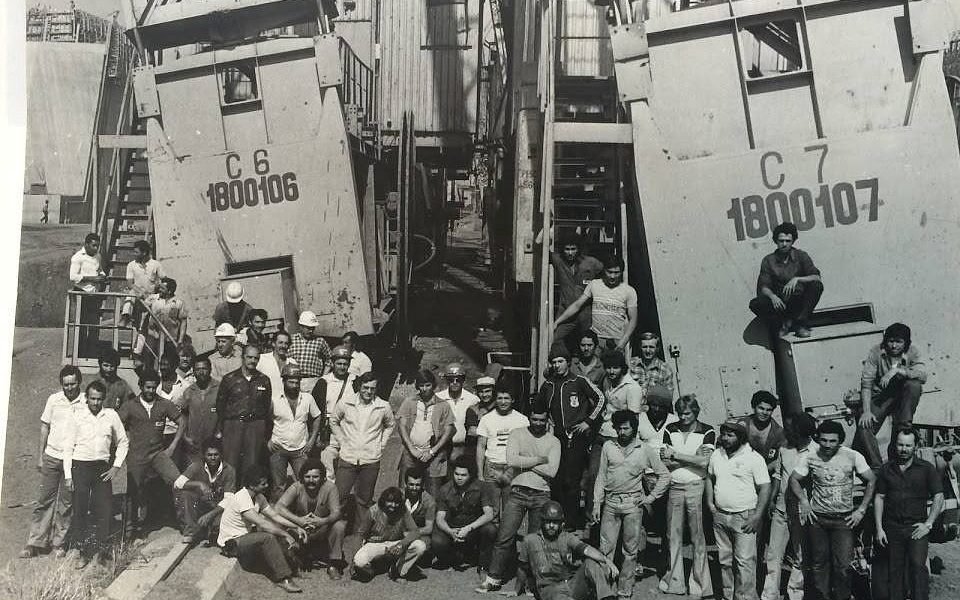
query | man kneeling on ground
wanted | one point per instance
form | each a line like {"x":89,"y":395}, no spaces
{"x":313,"y":503}
{"x":391,"y":533}
{"x":561,"y":565}
{"x":253,"y":532}
{"x":465,"y":510}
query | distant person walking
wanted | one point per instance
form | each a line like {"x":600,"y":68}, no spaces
{"x":45,"y":212}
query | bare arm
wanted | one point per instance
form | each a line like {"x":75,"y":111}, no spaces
{"x":481,"y":459}
{"x":405,"y":437}
{"x":448,"y":433}
{"x":632,"y":319}
{"x":44,"y":434}
{"x":573,"y":309}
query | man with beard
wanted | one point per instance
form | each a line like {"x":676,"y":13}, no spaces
{"x":460,"y":401}
{"x":199,"y":513}
{"x":648,"y":369}
{"x":421,"y":505}
{"x":784,"y":522}
{"x":534,"y":454}
{"x":561,"y":565}
{"x":291,"y":440}
{"x":313,"y":503}
{"x":576,"y":406}
{"x":226,"y":358}
{"x":464,"y":525}
{"x":689,"y":445}
{"x":573,"y":271}
{"x":493,"y":433}
{"x":390,"y":533}
{"x":200,"y":410}
{"x":738,"y":489}
{"x":118,"y":390}
{"x":587,"y":362}
{"x":619,"y":488}
{"x":904,"y":486}
{"x":613,"y":307}
{"x":829,"y":514}
{"x":426,"y":427}
{"x":244,"y":402}
{"x":330,"y":391}
{"x":890,"y":385}
{"x":94,"y":434}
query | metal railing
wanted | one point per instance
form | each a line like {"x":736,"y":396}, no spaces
{"x":80,"y":334}
{"x":357,"y":87}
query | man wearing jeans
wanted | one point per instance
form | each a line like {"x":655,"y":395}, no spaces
{"x":291,"y":441}
{"x":619,"y":488}
{"x":738,"y":487}
{"x":535,"y":455}
{"x":829,"y":514}
{"x":904,"y":486}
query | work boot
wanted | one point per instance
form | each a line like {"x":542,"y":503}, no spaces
{"x":334,"y":573}
{"x":28,"y":552}
{"x":802,"y":331}
{"x":289,"y":587}
{"x":489,"y":585}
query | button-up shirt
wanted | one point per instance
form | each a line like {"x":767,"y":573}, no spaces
{"x":83,"y":265}
{"x":736,"y":478}
{"x":624,"y":395}
{"x":622,"y":468}
{"x":175,"y":395}
{"x":223,"y":482}
{"x":464,"y":505}
{"x":906,"y":492}
{"x":145,"y":429}
{"x":220,"y":365}
{"x":657,"y":373}
{"x":58,"y":413}
{"x":775,"y":272}
{"x":312,"y":355}
{"x":362,"y":430}
{"x":879,"y":362}
{"x":143,"y":278}
{"x":90,"y":437}
{"x":572,"y":279}
{"x":200,"y":406}
{"x":239,"y":397}
{"x":290,"y":426}
{"x":789,"y":457}
{"x":459,"y":408}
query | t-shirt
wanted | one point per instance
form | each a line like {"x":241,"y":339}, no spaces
{"x":298,"y":501}
{"x":737,"y":478}
{"x":788,"y":462}
{"x":833,"y":479}
{"x":610,"y":307}
{"x":496,"y":428}
{"x":143,"y":279}
{"x":424,"y":510}
{"x":232,"y":524}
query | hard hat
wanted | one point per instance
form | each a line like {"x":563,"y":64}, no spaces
{"x":291,"y":371}
{"x":486,"y":382}
{"x":225,"y":330}
{"x":454,"y":370}
{"x":308,"y":319}
{"x":551,"y":511}
{"x":340,"y":352}
{"x":234,"y":292}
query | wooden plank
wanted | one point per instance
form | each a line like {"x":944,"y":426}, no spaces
{"x":152,"y":563}
{"x":137,"y":142}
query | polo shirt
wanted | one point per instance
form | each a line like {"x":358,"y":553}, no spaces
{"x":736,"y":478}
{"x":312,"y":355}
{"x":459,"y":407}
{"x":83,"y":265}
{"x":496,"y":429}
{"x":424,"y":510}
{"x":58,"y":414}
{"x":625,"y":395}
{"x":833,"y":479}
{"x":223,"y":482}
{"x":240,"y":398}
{"x":464,"y":505}
{"x":290,"y":427}
{"x":552,"y":561}
{"x":91,"y":437}
{"x":906,"y":492}
{"x":143,"y":278}
{"x":118,"y":392}
{"x":200,"y":406}
{"x":232,"y":524}
{"x":146,"y":430}
{"x":610,"y":306}
{"x":688,"y":443}
{"x":297,"y":500}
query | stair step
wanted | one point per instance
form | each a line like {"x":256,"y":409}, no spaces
{"x":134,"y":216}
{"x":579,"y":222}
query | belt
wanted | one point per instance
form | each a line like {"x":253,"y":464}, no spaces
{"x":246,"y":417}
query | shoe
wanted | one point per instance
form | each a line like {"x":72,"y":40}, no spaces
{"x":489,"y":585}
{"x":28,"y":552}
{"x":58,"y":552}
{"x":394,"y":572}
{"x":334,"y":574}
{"x":360,"y":574}
{"x":802,"y":332}
{"x":289,"y":587}
{"x":785,"y":328}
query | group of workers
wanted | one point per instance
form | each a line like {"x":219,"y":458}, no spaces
{"x":275,"y":457}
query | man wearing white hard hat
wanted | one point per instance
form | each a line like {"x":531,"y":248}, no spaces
{"x":226,"y":357}
{"x":460,"y":400}
{"x":234,"y":309}
{"x":309,"y":350}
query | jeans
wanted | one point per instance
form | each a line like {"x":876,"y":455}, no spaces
{"x":191,"y":505}
{"x":479,"y":541}
{"x":50,"y":520}
{"x":521,"y":501}
{"x":799,"y":306}
{"x":92,"y":505}
{"x":260,"y":551}
{"x":686,"y":500}
{"x":831,"y":549}
{"x":243,"y":444}
{"x":279,"y":459}
{"x":901,"y":563}
{"x":140,"y":472}
{"x":900,"y":401}
{"x":737,"y":554}
{"x":371,"y":551}
{"x":589,"y":581}
{"x":498,"y":477}
{"x":622,"y":518}
{"x":329,"y":537}
{"x":574,"y":464}
{"x":362,"y":480}
{"x":780,"y":538}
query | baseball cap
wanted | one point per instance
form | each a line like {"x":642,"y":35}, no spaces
{"x":291,"y":371}
{"x":736,"y":426}
{"x":486,"y":381}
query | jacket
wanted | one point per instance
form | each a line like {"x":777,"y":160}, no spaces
{"x":572,"y":399}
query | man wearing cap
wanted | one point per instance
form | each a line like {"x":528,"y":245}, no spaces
{"x":118,"y":390}
{"x":244,"y":404}
{"x":737,"y":491}
{"x":460,"y":401}
{"x":330,"y":390}
{"x":226,"y":358}
{"x":576,"y":407}
{"x":309,"y":350}
{"x":234,"y":310}
{"x":561,"y":566}
{"x":485,"y":392}
{"x":291,"y":441}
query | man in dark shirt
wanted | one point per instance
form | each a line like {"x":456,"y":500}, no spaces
{"x":904,"y":486}
{"x":789,"y":285}
{"x":244,"y":411}
{"x":200,"y":408}
{"x":118,"y":390}
{"x":465,"y":510}
{"x":573,"y":270}
{"x":587,"y":362}
{"x":201,"y":512}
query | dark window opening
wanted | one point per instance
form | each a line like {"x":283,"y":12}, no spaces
{"x":238,"y":82}
{"x":772,"y":48}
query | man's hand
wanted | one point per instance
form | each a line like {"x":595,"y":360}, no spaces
{"x":920,"y":531}
{"x":205,"y":489}
{"x":807,"y":515}
{"x":667,"y":453}
{"x":612,"y":571}
{"x":881,"y":536}
{"x":110,"y":474}
{"x":889,"y":375}
{"x":307,"y":449}
{"x":272,"y":446}
{"x":291,"y":543}
{"x":854,"y":518}
{"x":753,"y":521}
{"x":169,"y":451}
{"x":646,"y":504}
{"x":867,"y":419}
{"x":595,"y":514}
{"x":425,"y":456}
{"x":790,"y":288}
{"x":393,"y":550}
{"x":205,"y":520}
{"x":580,"y":428}
{"x":40,"y":463}
{"x":621,"y":345}
{"x":778,"y":304}
{"x":68,"y":483}
{"x":301,"y":534}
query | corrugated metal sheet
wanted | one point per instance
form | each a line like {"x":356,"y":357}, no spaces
{"x":429,"y":64}
{"x":585,"y":42}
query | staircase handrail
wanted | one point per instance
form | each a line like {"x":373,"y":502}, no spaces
{"x":116,"y":172}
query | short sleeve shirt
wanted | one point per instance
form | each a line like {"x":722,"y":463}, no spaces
{"x":737,"y":478}
{"x":610,"y":307}
{"x":58,"y":415}
{"x":833,"y":480}
{"x":299,"y":502}
{"x":552,"y":562}
{"x":171,"y":312}
{"x":232,"y":524}
{"x":289,"y":427}
{"x":496,"y":428}
{"x":907,"y":492}
{"x":464,"y":506}
{"x":423,"y":511}
{"x":776,"y":272}
{"x":144,"y":278}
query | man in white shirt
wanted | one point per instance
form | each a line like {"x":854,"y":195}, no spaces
{"x":460,"y":400}
{"x":330,"y":390}
{"x":291,"y":441}
{"x":51,"y":517}
{"x":492,"y":435}
{"x":360,"y":363}
{"x":613,"y":307}
{"x":95,"y":433}
{"x":738,"y":485}
{"x":143,"y":277}
{"x":87,"y":276}
{"x":271,"y":362}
